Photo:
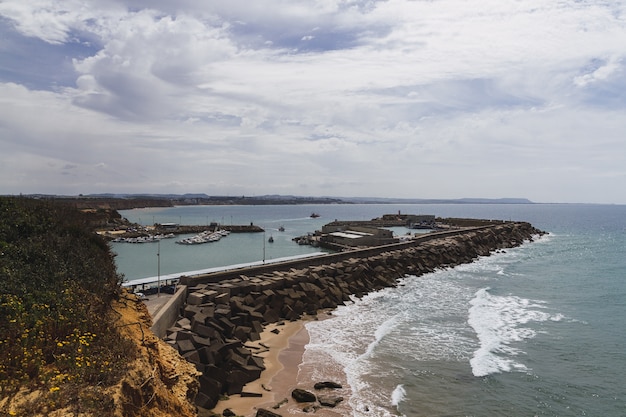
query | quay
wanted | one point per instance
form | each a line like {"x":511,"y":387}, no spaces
{"x":171,"y":279}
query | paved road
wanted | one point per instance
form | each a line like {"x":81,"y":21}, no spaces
{"x":154,"y":302}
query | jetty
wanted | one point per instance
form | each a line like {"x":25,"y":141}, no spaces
{"x":214,"y":314}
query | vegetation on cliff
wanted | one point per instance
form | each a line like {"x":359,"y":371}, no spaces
{"x":64,"y":341}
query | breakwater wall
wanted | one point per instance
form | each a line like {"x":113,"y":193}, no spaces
{"x":327,"y":259}
{"x":220,"y":314}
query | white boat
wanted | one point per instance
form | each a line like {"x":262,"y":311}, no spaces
{"x":204,"y":237}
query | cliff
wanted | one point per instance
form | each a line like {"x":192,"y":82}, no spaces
{"x":157,"y":382}
{"x":72,"y":341}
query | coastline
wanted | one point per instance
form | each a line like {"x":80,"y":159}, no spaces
{"x":301,"y":294}
{"x":283,"y":361}
{"x":276,"y":343}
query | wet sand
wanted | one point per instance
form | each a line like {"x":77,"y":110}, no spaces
{"x":282,"y":362}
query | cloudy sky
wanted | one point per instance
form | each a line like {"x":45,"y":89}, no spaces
{"x":396,"y":98}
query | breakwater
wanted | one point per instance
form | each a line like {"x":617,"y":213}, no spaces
{"x":223,"y":312}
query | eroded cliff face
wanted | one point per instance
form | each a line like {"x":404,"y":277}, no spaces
{"x":158,"y":381}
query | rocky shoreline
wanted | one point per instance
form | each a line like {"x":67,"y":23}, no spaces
{"x":219,"y":320}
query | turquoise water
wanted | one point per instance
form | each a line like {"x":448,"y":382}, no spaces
{"x":536,"y":331}
{"x":140,"y":260}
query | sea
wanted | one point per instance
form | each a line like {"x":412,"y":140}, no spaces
{"x":537,"y":330}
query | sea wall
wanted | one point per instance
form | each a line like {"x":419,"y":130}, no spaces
{"x":327,"y":259}
{"x":168,"y":314}
{"x":218,"y":318}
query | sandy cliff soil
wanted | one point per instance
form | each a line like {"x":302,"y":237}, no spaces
{"x":159,"y":382}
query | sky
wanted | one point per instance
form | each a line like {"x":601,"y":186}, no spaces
{"x":349,"y":98}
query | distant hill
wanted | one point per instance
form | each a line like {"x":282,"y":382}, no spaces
{"x":377,"y":200}
{"x":130,"y":201}
{"x":292,"y":199}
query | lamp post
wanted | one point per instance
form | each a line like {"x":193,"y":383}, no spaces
{"x":159,"y":268}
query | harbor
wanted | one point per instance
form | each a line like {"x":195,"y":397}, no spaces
{"x":212,"y":315}
{"x":251,"y":228}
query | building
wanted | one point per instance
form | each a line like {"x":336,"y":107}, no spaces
{"x":350,"y":236}
{"x":169,"y":226}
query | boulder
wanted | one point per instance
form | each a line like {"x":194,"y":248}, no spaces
{"x":202,"y":330}
{"x":204,"y":401}
{"x":185,"y":346}
{"x":330,"y":401}
{"x":235,"y":381}
{"x":327,"y":384}
{"x":211,"y":390}
{"x":303,"y":396}
{"x":192,"y":356}
{"x":262,"y":412}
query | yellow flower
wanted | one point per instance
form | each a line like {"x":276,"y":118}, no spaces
{"x":54,"y":389}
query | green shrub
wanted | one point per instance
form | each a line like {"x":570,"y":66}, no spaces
{"x":57,"y":282}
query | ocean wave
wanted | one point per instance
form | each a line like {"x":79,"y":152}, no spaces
{"x":398,"y":395}
{"x":498,"y":322}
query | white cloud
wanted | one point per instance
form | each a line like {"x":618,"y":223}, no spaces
{"x":600,"y":73}
{"x":394,"y":98}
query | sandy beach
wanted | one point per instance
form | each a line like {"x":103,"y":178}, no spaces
{"x":285,"y":342}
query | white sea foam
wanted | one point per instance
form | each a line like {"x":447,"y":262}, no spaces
{"x":498,"y":322}
{"x":423,"y":320}
{"x":398,"y":395}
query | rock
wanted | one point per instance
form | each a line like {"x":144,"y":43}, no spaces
{"x":247,"y":394}
{"x":228,"y":413}
{"x":327,"y":384}
{"x":330,"y":401}
{"x":204,"y":401}
{"x":185,"y":346}
{"x":235,"y":381}
{"x":311,"y":408}
{"x":303,"y":396}
{"x":262,"y":412}
{"x":280,"y":404}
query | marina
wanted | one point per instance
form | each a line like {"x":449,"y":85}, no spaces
{"x":251,"y":228}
